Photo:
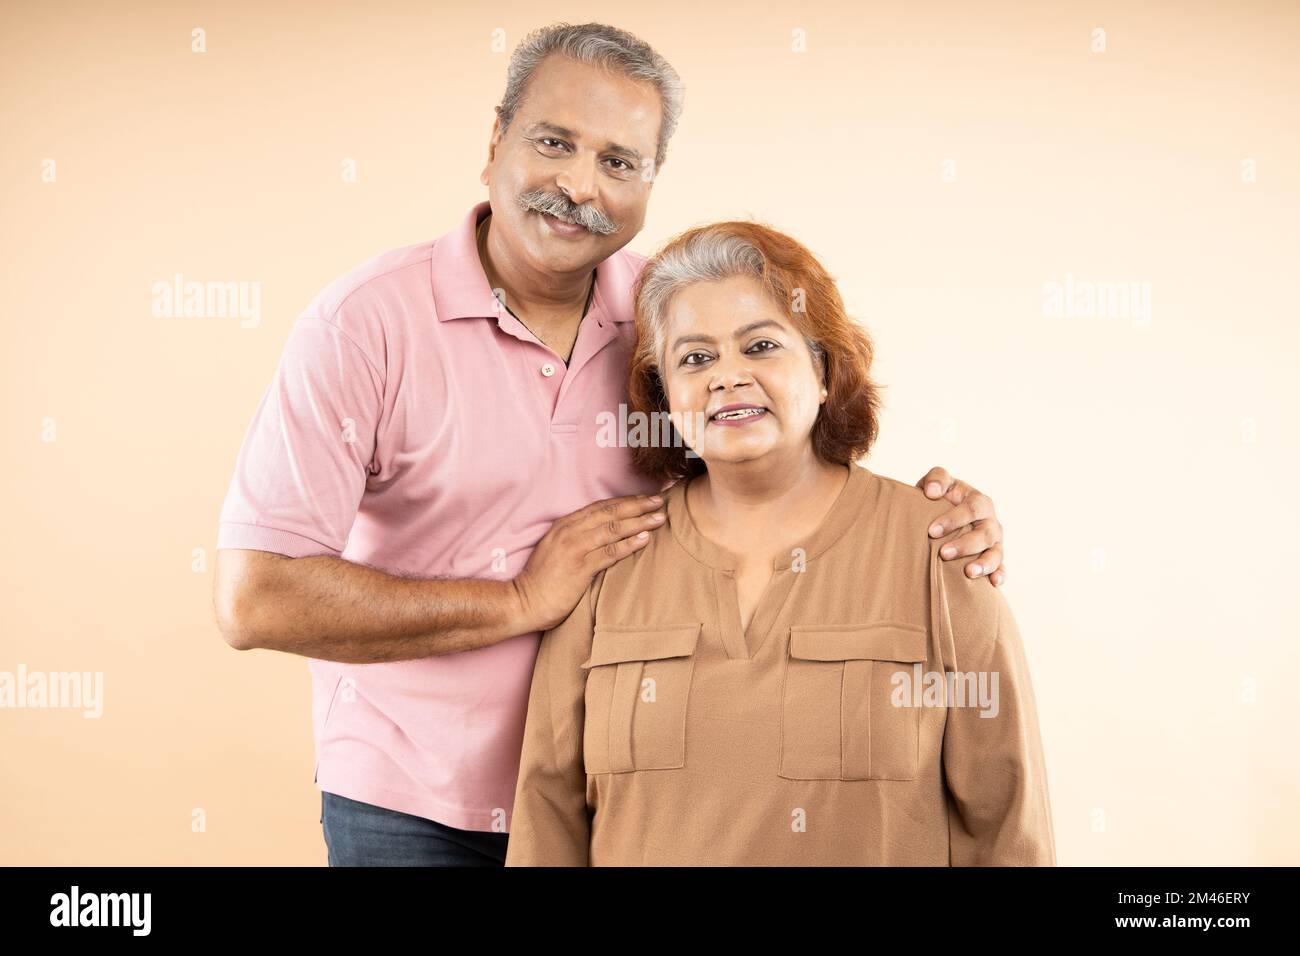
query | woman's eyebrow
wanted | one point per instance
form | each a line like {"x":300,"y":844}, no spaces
{"x":683,"y":339}
{"x":746,"y":329}
{"x":739,"y":333}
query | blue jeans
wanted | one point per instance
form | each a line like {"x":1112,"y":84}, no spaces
{"x":360,"y":834}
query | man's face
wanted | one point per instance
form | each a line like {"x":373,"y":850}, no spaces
{"x":578,"y":145}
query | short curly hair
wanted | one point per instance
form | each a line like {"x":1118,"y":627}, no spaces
{"x":848,"y":421}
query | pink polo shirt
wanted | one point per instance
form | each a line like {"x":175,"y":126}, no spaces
{"x":415,"y":426}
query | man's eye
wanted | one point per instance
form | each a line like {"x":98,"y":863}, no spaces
{"x":551,"y":143}
{"x":626,"y":164}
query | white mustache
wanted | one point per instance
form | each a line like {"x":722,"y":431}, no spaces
{"x":589,"y":218}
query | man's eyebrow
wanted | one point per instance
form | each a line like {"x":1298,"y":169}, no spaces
{"x":739,"y":333}
{"x":627,"y":152}
{"x":544,"y":126}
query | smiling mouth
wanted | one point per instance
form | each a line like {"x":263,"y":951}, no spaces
{"x":567,"y":223}
{"x":738,"y":414}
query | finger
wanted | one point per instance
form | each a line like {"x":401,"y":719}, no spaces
{"x":959,"y":491}
{"x":976,"y":507}
{"x":975,"y":541}
{"x":615,"y":551}
{"x":615,"y":509}
{"x":986,"y":563}
{"x":935,"y":482}
{"x":614,"y":529}
{"x":999,"y":576}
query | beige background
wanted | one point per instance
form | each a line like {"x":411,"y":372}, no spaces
{"x":1144,"y":469}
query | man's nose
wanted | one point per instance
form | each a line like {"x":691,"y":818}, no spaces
{"x":577,"y":180}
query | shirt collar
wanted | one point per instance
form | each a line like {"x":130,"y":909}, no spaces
{"x":461,"y":289}
{"x":842,"y":514}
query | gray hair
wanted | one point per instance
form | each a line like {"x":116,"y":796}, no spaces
{"x":599,"y":45}
{"x":710,"y":253}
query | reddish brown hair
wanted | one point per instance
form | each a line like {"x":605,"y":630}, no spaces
{"x":848,"y":421}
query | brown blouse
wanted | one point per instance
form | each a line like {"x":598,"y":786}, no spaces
{"x":877,"y":710}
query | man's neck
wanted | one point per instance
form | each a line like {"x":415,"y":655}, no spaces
{"x":551,"y":299}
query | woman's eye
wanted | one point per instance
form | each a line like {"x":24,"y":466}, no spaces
{"x":768,"y":343}
{"x":686,"y":359}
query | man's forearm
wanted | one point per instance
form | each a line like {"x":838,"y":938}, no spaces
{"x":331,"y":609}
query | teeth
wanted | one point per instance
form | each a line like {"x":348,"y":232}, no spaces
{"x":739,"y":413}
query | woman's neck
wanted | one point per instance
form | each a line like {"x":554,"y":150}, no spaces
{"x":744,"y":506}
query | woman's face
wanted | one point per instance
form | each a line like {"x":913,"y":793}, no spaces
{"x":732,"y":350}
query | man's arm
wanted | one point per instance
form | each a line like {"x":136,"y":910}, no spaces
{"x":332,"y":609}
{"x":969,"y":507}
{"x":281,"y":581}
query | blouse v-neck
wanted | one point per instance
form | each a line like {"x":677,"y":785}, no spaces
{"x":744,"y":644}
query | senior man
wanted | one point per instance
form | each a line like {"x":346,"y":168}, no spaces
{"x":421,"y":491}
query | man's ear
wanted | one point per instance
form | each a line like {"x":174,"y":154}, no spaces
{"x":493,"y":142}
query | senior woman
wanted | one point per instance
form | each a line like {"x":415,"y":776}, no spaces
{"x":787,"y":673}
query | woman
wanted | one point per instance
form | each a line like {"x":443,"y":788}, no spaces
{"x":787,"y":673}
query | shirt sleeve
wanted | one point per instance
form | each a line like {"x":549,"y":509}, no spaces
{"x":305,"y":457}
{"x":999,"y":810}
{"x":551,"y":822}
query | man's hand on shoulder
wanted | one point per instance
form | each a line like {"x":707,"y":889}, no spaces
{"x":969,"y":506}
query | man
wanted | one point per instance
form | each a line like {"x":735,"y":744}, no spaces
{"x":421,"y":491}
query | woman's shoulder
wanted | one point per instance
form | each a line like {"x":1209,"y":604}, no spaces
{"x":902,"y":504}
{"x":972,"y":601}
{"x":895,"y":523}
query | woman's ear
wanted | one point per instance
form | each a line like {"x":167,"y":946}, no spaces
{"x":819,"y":362}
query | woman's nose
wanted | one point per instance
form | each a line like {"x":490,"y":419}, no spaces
{"x":730,"y":373}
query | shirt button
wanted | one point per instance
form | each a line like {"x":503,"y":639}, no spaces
{"x":548,"y":369}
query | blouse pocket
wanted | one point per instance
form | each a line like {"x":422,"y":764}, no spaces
{"x":838,"y":717}
{"x":638,"y":684}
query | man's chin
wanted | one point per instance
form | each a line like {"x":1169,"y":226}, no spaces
{"x":557,"y":255}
